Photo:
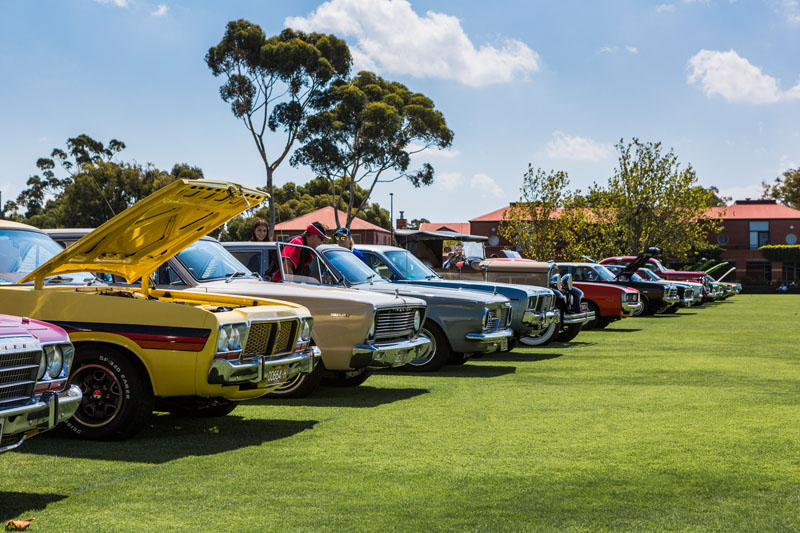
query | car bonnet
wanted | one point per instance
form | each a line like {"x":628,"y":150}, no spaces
{"x":135,"y":242}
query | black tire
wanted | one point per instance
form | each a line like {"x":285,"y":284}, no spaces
{"x":603,"y":322}
{"x":300,"y":386}
{"x":569,"y":332}
{"x":199,"y":407}
{"x":457,"y":358}
{"x":439,"y":353}
{"x":672,"y":309}
{"x":644,"y":309}
{"x":346,"y":378}
{"x":117,"y":397}
{"x":542,"y":339}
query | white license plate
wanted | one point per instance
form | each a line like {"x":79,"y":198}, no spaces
{"x":277,"y":374}
{"x":584,"y":306}
{"x":504,"y":345}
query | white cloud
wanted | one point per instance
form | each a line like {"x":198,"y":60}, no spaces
{"x":632,"y":49}
{"x":665,"y":8}
{"x":391,"y":37}
{"x":449,"y":181}
{"x":118,"y":3}
{"x":485,"y":185}
{"x":433,"y":152}
{"x":735,"y":79}
{"x":565,"y":146}
{"x":788,"y":9}
{"x":614,"y":49}
{"x":160,"y":11}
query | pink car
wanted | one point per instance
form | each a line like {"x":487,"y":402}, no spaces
{"x":35,"y":359}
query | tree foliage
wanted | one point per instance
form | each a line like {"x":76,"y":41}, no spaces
{"x":292,"y":201}
{"x":91,"y":187}
{"x":651,"y":201}
{"x":417,"y":222}
{"x":549,"y":219}
{"x":273,"y":83}
{"x":785,"y":189}
{"x":368,"y":135}
{"x":781,"y":252}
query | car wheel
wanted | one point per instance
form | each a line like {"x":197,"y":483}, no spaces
{"x":457,"y":358}
{"x":643,"y":309}
{"x":117,"y":399}
{"x":346,"y":378}
{"x":597,"y":317}
{"x":300,"y":385}
{"x":545,"y":337}
{"x":603,"y":322}
{"x":199,"y":407}
{"x":672,"y":309}
{"x":569,"y":332}
{"x":438,"y":354}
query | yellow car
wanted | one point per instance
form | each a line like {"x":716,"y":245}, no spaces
{"x":136,"y":348}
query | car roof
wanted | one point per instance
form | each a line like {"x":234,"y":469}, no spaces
{"x":378,"y":247}
{"x":10,"y":224}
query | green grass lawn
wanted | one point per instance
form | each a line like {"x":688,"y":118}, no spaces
{"x":675,"y":422}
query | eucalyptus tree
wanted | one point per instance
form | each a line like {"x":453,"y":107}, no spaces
{"x":274,"y":83}
{"x":368,"y":136}
{"x":785,"y":189}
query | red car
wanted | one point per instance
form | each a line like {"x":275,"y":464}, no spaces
{"x":35,"y":359}
{"x":609,"y":302}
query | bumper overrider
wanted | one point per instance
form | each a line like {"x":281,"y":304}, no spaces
{"x":540,"y":319}
{"x":578,"y":318}
{"x":669,"y":300}
{"x":390,"y":354}
{"x":28,"y":420}
{"x":261,"y":368}
{"x":490,"y":342}
{"x":629,"y":308}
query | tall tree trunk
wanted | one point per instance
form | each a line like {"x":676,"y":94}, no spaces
{"x":271,"y":204}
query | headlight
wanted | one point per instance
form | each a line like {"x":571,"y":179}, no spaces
{"x":371,"y":329}
{"x":417,"y":320}
{"x":67,"y":351}
{"x":532,"y":302}
{"x":305,"y":331}
{"x":566,"y":281}
{"x":42,"y":366}
{"x":485,"y":320}
{"x":222,"y":340}
{"x":55,"y":360}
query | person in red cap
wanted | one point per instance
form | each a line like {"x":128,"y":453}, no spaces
{"x":296,"y":259}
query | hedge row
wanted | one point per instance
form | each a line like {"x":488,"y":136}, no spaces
{"x":781,"y":252}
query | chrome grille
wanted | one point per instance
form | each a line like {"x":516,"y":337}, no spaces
{"x":18,"y":376}
{"x":286,"y":337}
{"x":545,"y":303}
{"x":392,"y":323}
{"x":497,"y":318}
{"x":258,"y":339}
{"x":533,"y":302}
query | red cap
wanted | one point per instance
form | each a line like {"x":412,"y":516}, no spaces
{"x":314,"y":229}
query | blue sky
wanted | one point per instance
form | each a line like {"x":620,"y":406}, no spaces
{"x":554,"y":84}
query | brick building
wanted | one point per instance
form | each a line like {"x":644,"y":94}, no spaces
{"x":746,"y":225}
{"x":363,"y":232}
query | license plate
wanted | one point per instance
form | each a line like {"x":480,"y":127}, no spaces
{"x":277,"y":374}
{"x":2,"y":423}
{"x":584,"y":306}
{"x":504,"y":345}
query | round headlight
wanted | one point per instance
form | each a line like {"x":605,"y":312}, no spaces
{"x":234,"y":339}
{"x":566,"y":281}
{"x":42,"y":365}
{"x":55,"y":361}
{"x":305,"y":330}
{"x":417,"y":319}
{"x":222,"y":340}
{"x":371,"y":328}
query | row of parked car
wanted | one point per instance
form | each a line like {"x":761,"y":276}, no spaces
{"x":146,"y":313}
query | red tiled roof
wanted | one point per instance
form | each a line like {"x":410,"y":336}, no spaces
{"x":754,"y":211}
{"x":325,"y":216}
{"x":458,"y":227}
{"x":495,"y":215}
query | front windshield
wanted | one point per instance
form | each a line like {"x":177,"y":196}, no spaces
{"x":409,"y":266}
{"x":645,"y":272}
{"x":350,"y":266}
{"x":22,"y":252}
{"x":604,"y":273}
{"x":655,"y":262}
{"x":208,"y":260}
{"x":474,"y":249}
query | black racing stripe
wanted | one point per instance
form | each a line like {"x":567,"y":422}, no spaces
{"x":132,"y":328}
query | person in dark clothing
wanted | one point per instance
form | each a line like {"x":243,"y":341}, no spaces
{"x":345,"y":240}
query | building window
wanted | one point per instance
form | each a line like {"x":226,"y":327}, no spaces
{"x":759,"y":270}
{"x":791,"y":238}
{"x":791,"y":273}
{"x":759,"y":234}
{"x":722,"y":239}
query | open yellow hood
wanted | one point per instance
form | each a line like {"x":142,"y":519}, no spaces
{"x":135,"y":242}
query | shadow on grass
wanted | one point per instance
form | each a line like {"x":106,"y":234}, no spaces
{"x":620,"y":330}
{"x":524,"y":357}
{"x":463,"y":371}
{"x":362,"y":396}
{"x":12,"y":504}
{"x":170,"y":437}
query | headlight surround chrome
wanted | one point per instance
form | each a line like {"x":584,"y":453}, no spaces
{"x":42,"y":366}
{"x":305,"y":330}
{"x":417,"y":320}
{"x":566,"y":281}
{"x":222,"y":339}
{"x":55,"y":360}
{"x":485,"y":319}
{"x":231,"y":337}
{"x":68,"y":353}
{"x":371,"y":332}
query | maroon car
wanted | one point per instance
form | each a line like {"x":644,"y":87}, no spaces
{"x":35,"y":359}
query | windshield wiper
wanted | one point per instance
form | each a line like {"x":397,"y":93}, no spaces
{"x":56,"y":279}
{"x":232,"y":275}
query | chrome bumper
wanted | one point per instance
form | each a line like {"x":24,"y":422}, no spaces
{"x":579,"y":318}
{"x":258,"y":369}
{"x":670,"y":300}
{"x":687,"y":302}
{"x":629,"y":308}
{"x":390,"y":354}
{"x":44,"y":414}
{"x":540,"y":319}
{"x":490,"y":342}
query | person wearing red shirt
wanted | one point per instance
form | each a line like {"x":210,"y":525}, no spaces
{"x":295,"y":259}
